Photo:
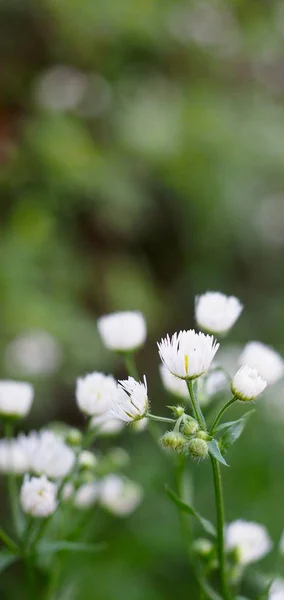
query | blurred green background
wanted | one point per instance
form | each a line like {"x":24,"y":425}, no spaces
{"x":141,"y":163}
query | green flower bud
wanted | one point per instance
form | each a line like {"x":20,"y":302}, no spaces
{"x":177,"y":411}
{"x":190,"y":426}
{"x":87,"y":460}
{"x":198,"y":449}
{"x":202,"y":547}
{"x":174,"y":441}
{"x":203,"y":435}
{"x":73,"y":436}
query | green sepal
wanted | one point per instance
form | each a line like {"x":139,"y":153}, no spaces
{"x":231,"y":431}
{"x":214,"y":450}
{"x":183,"y":506}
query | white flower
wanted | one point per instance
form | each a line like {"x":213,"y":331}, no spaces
{"x":276,"y":591}
{"x":68,"y":491}
{"x":188,"y":354}
{"x":131,"y":401}
{"x":15,"y":398}
{"x":210,"y":385}
{"x":94,"y":393}
{"x":267,"y":361}
{"x":217,"y":313}
{"x":247,"y":384}
{"x":172,"y":384}
{"x":250,"y":540}
{"x":12,"y":459}
{"x":87,"y":495}
{"x":119,"y":495}
{"x":47,"y":454}
{"x":123,"y":331}
{"x":38,"y":496}
{"x":87,"y":459}
{"x":106,"y":424}
{"x":33,"y":353}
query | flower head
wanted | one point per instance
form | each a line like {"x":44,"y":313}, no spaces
{"x":188,"y":354}
{"x":12,"y":459}
{"x":46,"y":454}
{"x":247,"y":384}
{"x":87,"y":494}
{"x":123,"y":331}
{"x":16,"y":398}
{"x":250,"y":540}
{"x":217,"y":313}
{"x":173,"y":384}
{"x":38,"y":496}
{"x":266,"y":360}
{"x":131,"y":402}
{"x":119,"y":495}
{"x":276,"y":590}
{"x":94,"y":393}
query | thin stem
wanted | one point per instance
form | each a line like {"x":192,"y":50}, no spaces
{"x":9,"y":543}
{"x":130,"y":365}
{"x":160,"y":419}
{"x":220,"y":527}
{"x":184,"y":520}
{"x":12,"y":483}
{"x":220,"y":413}
{"x":195,"y":405}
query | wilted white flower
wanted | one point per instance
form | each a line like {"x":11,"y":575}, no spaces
{"x":172,"y":384}
{"x":87,"y":494}
{"x":94,"y":393}
{"x":33,"y":353}
{"x":247,"y":384}
{"x":12,"y":459}
{"x":123,"y":331}
{"x":38,"y":496}
{"x":276,"y":590}
{"x":188,"y":354}
{"x":119,"y":495}
{"x":131,"y":401}
{"x":266,"y":360}
{"x":47,"y":454}
{"x":251,"y":541}
{"x":106,"y":424}
{"x":217,"y":313}
{"x":15,"y":398}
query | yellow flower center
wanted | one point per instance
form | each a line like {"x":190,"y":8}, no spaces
{"x":186,"y":363}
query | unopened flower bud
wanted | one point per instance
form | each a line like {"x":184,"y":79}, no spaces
{"x":177,"y":411}
{"x":203,"y":435}
{"x":247,"y":384}
{"x":87,"y":460}
{"x":198,"y":449}
{"x":74,"y":436}
{"x":190,"y":426}
{"x":174,"y":441}
{"x":202,"y":547}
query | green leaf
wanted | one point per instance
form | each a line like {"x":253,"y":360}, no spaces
{"x":65,"y":546}
{"x":6,"y":559}
{"x":214,"y":450}
{"x":207,"y":526}
{"x":232,"y":430}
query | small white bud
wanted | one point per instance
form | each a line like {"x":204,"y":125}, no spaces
{"x":217,"y":313}
{"x":123,"y":331}
{"x":87,"y":460}
{"x":251,"y":541}
{"x":120,"y":495}
{"x":188,"y":354}
{"x":247,"y":384}
{"x":16,"y":398}
{"x":95,"y":392}
{"x":87,"y":495}
{"x":38,"y":496}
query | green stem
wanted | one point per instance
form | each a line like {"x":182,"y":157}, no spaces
{"x":12,"y":484}
{"x":184,"y":520}
{"x":130,"y":365}
{"x":220,"y":527}
{"x":9,"y":543}
{"x":220,"y":414}
{"x":160,"y":419}
{"x":195,"y":405}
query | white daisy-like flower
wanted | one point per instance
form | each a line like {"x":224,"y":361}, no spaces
{"x":266,"y":360}
{"x":94,"y":393}
{"x":251,"y":541}
{"x":33,"y":353}
{"x":131,"y":402}
{"x":217,"y":313}
{"x":123,"y":331}
{"x":38,"y":496}
{"x":106,"y":424}
{"x":87,"y":495}
{"x":46,"y":454}
{"x":247,"y":384}
{"x":276,"y":590}
{"x":119,"y":495}
{"x":173,"y":384}
{"x":16,"y":398}
{"x":188,"y":354}
{"x":12,"y":459}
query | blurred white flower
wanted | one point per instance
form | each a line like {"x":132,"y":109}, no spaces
{"x":106,"y":425}
{"x":68,"y":491}
{"x":123,"y":331}
{"x":60,"y":88}
{"x":38,"y":496}
{"x":119,"y":495}
{"x":215,"y":382}
{"x":87,"y":459}
{"x":172,"y":384}
{"x":188,"y":354}
{"x":140,"y":425}
{"x":16,"y":398}
{"x":131,"y":401}
{"x":12,"y":459}
{"x":87,"y":494}
{"x":33,"y":353}
{"x":247,"y":384}
{"x":95,"y":392}
{"x":46,"y":454}
{"x":276,"y":590}
{"x":217,"y":313}
{"x":266,"y":360}
{"x":251,"y":540}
